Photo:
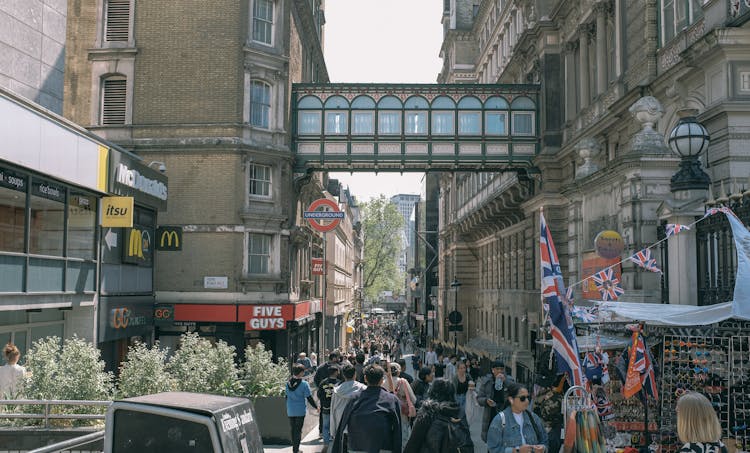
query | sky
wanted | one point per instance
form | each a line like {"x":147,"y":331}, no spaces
{"x":389,"y":41}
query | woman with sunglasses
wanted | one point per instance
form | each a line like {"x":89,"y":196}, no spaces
{"x":697,"y":425}
{"x":516,"y":429}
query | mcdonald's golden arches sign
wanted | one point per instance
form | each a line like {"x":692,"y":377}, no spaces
{"x":169,"y":238}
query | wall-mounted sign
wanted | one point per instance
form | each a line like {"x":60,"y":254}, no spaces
{"x":131,"y":177}
{"x":138,"y":246}
{"x":164,"y":314}
{"x":266,"y":317}
{"x":12,"y":180}
{"x":216,"y":282}
{"x":314,"y":215}
{"x":169,"y":238}
{"x":609,"y":244}
{"x":318,"y":267}
{"x":593,"y":263}
{"x":116,"y":212}
{"x":48,"y":190}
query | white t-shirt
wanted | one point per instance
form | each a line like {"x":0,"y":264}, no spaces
{"x":10,"y":375}
{"x":519,"y":420}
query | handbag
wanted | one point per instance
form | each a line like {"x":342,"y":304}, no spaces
{"x":407,"y":407}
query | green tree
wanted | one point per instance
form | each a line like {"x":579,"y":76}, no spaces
{"x":198,"y":366}
{"x":382,"y":225}
{"x":260,"y":375}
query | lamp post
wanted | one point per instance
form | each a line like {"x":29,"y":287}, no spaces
{"x":455,"y":284}
{"x":688,"y":140}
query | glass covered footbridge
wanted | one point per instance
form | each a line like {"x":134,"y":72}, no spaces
{"x":414,"y":127}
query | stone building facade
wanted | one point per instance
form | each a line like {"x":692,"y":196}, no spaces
{"x":201,"y":90}
{"x":601,"y":165}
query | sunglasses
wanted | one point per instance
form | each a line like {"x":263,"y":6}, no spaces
{"x":523,"y":398}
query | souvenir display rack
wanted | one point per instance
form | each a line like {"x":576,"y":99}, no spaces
{"x":628,"y":412}
{"x":698,"y":364}
{"x":739,"y":385}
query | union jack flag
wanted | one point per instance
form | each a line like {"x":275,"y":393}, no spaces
{"x":608,"y":285}
{"x":645,"y":260}
{"x":561,"y":325}
{"x":723,"y":209}
{"x":674,"y":228}
{"x":644,"y":365}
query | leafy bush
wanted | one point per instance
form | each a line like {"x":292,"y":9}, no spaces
{"x":144,"y":372}
{"x":198,"y":366}
{"x":260,"y":375}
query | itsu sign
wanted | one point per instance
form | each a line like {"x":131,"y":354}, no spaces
{"x":267,"y":317}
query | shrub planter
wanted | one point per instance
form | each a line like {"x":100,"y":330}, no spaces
{"x":270,"y":412}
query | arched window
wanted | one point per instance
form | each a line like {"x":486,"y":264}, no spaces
{"x":114,"y":100}
{"x":263,"y":21}
{"x":336,"y":120}
{"x":308,"y":115}
{"x":363,"y":116}
{"x":416,"y":115}
{"x":496,"y":116}
{"x":260,"y":104}
{"x":469,"y":116}
{"x":389,"y":115}
{"x":442,"y":116}
{"x":522,"y":121}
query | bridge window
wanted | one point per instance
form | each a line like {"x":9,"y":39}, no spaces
{"x":309,"y":102}
{"x":363,"y":123}
{"x":523,"y":121}
{"x":469,"y":123}
{"x":496,"y":122}
{"x":416,"y":123}
{"x":389,"y":123}
{"x":416,"y":103}
{"x":260,"y":104}
{"x":443,"y":102}
{"x":263,"y":21}
{"x":442,"y":123}
{"x":336,"y":123}
{"x":389,"y":102}
{"x":337,"y":102}
{"x":309,"y":123}
{"x":363,"y":102}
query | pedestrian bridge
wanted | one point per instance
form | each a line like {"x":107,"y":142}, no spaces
{"x":414,"y":127}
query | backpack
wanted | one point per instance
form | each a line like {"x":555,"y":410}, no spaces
{"x":537,"y":431}
{"x":457,"y":438}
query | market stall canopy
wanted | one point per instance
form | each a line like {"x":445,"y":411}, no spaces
{"x":589,"y":342}
{"x":667,"y":314}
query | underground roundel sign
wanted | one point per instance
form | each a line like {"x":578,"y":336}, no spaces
{"x":317,"y":214}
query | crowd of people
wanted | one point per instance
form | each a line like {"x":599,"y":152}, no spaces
{"x":367,"y":402}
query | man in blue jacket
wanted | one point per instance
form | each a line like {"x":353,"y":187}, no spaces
{"x":373,"y":418}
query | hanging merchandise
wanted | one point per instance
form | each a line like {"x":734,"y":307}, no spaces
{"x":589,"y":438}
{"x":603,"y":404}
{"x":594,"y":364}
{"x":608,"y":285}
{"x":645,"y":260}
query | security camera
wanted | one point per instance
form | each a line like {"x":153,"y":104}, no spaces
{"x":159,"y":166}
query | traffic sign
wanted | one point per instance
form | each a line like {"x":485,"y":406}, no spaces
{"x":314,"y":216}
{"x":455,"y":317}
{"x":456,"y":328}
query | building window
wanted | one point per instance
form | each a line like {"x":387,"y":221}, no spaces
{"x":336,"y":123}
{"x":47,"y":219}
{"x":263,"y":21}
{"x":469,"y":123}
{"x":260,"y":180}
{"x":81,"y":226}
{"x":495,"y":123}
{"x":677,"y":15}
{"x":745,"y":81}
{"x":442,"y":123}
{"x":523,"y":123}
{"x":363,"y":123}
{"x":114,"y":101}
{"x":258,"y":253}
{"x":117,"y":24}
{"x":309,"y":123}
{"x":12,"y":211}
{"x":416,"y":123}
{"x":389,"y":123}
{"x":260,"y":104}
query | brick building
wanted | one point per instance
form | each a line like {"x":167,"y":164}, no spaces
{"x":201,"y":90}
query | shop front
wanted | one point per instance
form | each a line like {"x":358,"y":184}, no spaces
{"x":284,"y":329}
{"x":124,"y":321}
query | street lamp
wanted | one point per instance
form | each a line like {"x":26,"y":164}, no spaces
{"x":688,"y":140}
{"x":455,"y":284}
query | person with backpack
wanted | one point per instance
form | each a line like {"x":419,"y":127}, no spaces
{"x":491,"y":394}
{"x":517,"y":429}
{"x":439,"y":427}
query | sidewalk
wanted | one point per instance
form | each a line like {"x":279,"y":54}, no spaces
{"x":311,"y":443}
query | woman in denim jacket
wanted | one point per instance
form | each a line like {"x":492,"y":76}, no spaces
{"x":516,"y":429}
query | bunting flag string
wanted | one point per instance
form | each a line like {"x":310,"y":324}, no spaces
{"x":671,"y":230}
{"x":644,"y":259}
{"x":607,"y":284}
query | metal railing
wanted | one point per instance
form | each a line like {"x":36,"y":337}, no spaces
{"x":71,"y":443}
{"x":48,"y":414}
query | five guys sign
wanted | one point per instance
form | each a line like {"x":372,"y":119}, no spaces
{"x":266,"y":317}
{"x":317,"y":266}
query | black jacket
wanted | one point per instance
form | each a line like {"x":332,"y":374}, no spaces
{"x":420,"y":388}
{"x":373,"y":420}
{"x":430,"y":431}
{"x":325,"y":393}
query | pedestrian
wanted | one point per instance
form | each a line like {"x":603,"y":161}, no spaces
{"x":320,"y":374}
{"x":421,"y":385}
{"x":359,"y":368}
{"x":305,"y":361}
{"x":450,"y":367}
{"x":314,"y":360}
{"x":698,"y":426}
{"x":297,"y":391}
{"x":517,"y":429}
{"x":439,"y":367}
{"x":372,"y":418}
{"x":396,"y":351}
{"x":439,"y":427}
{"x":409,"y":378}
{"x":430,"y":357}
{"x":342,"y":394}
{"x":11,"y":374}
{"x":548,"y":405}
{"x":375,"y":357}
{"x":461,"y":382}
{"x":491,"y":394}
{"x":325,"y":393}
{"x":406,"y":398}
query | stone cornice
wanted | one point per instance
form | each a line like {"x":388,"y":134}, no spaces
{"x":112,"y":53}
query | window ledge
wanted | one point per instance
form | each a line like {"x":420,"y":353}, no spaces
{"x":261,"y":278}
{"x":106,"y":53}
